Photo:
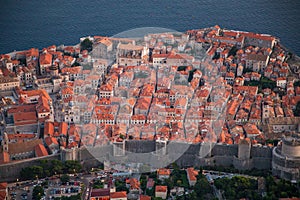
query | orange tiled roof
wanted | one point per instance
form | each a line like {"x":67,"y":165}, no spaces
{"x":48,"y":129}
{"x":164,"y":171}
{"x":118,"y":195}
{"x":145,"y":197}
{"x":3,"y":186}
{"x":4,"y":158}
{"x":63,"y":128}
{"x":25,"y":118}
{"x":40,"y":150}
{"x":192,"y":173}
{"x":51,"y":140}
{"x":161,"y":188}
{"x":46,"y":59}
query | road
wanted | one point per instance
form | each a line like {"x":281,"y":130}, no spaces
{"x":86,"y":181}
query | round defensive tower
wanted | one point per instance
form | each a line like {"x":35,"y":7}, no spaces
{"x":286,"y":158}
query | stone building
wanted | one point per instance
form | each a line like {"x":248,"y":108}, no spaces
{"x":286,"y":158}
{"x":130,"y":55}
{"x":8,"y":83}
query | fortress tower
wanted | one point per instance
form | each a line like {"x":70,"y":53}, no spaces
{"x":244,"y":149}
{"x":286,"y":158}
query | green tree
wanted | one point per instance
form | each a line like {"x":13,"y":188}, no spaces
{"x":56,"y":167}
{"x":31,"y":172}
{"x":296,"y":83}
{"x":202,"y":187}
{"x":73,"y":197}
{"x":121,"y":186}
{"x":297,"y":110}
{"x":181,"y":68}
{"x":233,"y":51}
{"x":37,"y":193}
{"x":86,"y":44}
{"x":71,"y":166}
{"x":64,"y":178}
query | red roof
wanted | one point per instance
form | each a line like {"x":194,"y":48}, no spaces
{"x":4,"y":158}
{"x":164,"y":171}
{"x":40,"y":150}
{"x":145,"y":197}
{"x":46,"y":59}
{"x":100,"y":193}
{"x":48,"y":129}
{"x":161,"y":188}
{"x":51,"y":140}
{"x":25,"y":118}
{"x":3,"y":195}
{"x":63,"y":128}
{"x":117,"y":195}
{"x":192,"y":173}
{"x":3,"y":186}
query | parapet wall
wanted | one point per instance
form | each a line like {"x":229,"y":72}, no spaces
{"x":185,"y":155}
{"x":11,"y":171}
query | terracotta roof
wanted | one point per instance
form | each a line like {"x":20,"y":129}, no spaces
{"x":3,"y":186}
{"x":63,"y":128}
{"x":25,"y":118}
{"x":21,"y":108}
{"x":40,"y":150}
{"x":134,"y":183}
{"x":4,"y":158}
{"x":48,"y":129}
{"x":51,"y":140}
{"x":21,"y":136}
{"x":16,"y":148}
{"x":257,"y":57}
{"x":192,"y":173}
{"x":163,"y":171}
{"x":138,"y":117}
{"x":145,"y":197}
{"x":106,"y":42}
{"x":117,"y":195}
{"x":106,"y":87}
{"x":3,"y":195}
{"x":71,"y":70}
{"x":32,"y":52}
{"x":161,"y":188}
{"x":46,"y":59}
{"x":100,"y":192}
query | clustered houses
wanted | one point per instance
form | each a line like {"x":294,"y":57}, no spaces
{"x":155,"y":90}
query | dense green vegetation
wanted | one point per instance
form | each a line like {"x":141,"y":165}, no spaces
{"x":181,"y":68}
{"x":263,"y":83}
{"x":37,"y":193}
{"x":177,"y":178}
{"x":238,"y":187}
{"x":297,"y":110}
{"x":86,"y":45}
{"x":64,"y":178}
{"x":73,"y":197}
{"x":47,"y":168}
{"x":191,"y":74}
{"x":233,"y":51}
{"x":98,"y":184}
{"x":280,"y":189}
{"x":296,"y":83}
{"x":201,"y":191}
{"x":121,"y":186}
{"x":241,"y":187}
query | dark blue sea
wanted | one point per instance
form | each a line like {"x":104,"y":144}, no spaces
{"x":39,"y":23}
